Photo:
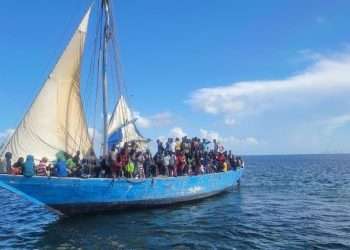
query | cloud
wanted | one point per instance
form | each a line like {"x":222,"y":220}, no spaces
{"x":327,"y":76}
{"x":229,"y":121}
{"x":157,"y":120}
{"x":209,"y":135}
{"x":228,"y":141}
{"x":333,"y":123}
{"x":141,"y":121}
{"x":177,"y":132}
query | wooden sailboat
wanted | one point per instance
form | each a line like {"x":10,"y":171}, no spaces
{"x":56,"y":122}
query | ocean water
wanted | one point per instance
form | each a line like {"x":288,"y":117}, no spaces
{"x":284,"y":202}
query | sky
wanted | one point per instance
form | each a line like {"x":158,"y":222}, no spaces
{"x":263,"y":77}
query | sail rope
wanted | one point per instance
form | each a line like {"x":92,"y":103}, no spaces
{"x":94,"y":64}
{"x":120,"y":84}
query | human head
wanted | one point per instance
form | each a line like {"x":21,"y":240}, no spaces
{"x":30,"y":158}
{"x":8,"y":155}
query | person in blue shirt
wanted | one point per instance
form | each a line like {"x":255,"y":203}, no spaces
{"x":61,"y":168}
{"x":29,"y":167}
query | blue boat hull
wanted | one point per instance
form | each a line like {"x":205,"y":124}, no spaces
{"x":77,"y":195}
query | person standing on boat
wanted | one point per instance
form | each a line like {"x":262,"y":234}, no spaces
{"x":180,"y":163}
{"x":8,"y":158}
{"x":166,"y":163}
{"x":158,"y":159}
{"x":177,"y":145}
{"x":160,"y":147}
{"x":216,"y":146}
{"x":168,"y":145}
{"x":105,"y":169}
{"x":147,"y":163}
{"x":113,"y":153}
{"x":187,"y":147}
{"x":139,"y":162}
{"x":116,"y":167}
{"x":172,"y":146}
{"x":189,"y":167}
{"x":172,"y":164}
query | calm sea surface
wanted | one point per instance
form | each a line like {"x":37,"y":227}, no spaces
{"x":284,"y":202}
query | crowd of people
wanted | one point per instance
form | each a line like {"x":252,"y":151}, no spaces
{"x":176,"y":157}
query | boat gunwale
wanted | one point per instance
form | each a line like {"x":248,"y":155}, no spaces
{"x":130,"y":180}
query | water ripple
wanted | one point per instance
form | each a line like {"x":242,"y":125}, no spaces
{"x":284,"y":202}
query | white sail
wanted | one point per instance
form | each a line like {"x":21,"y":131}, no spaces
{"x":122,"y":126}
{"x":56,"y":120}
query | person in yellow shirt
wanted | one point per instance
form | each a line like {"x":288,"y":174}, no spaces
{"x":225,"y":166}
{"x":177,"y":145}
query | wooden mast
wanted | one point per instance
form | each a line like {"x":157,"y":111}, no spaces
{"x":106,"y":37}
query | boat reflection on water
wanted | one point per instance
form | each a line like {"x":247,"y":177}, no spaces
{"x":178,"y":226}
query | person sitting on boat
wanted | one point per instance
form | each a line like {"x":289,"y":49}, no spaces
{"x":130,"y":168}
{"x":61,"y":168}
{"x":8,"y":159}
{"x":89,"y":164}
{"x":29,"y":167}
{"x":17,"y":168}
{"x":3,"y":169}
{"x":71,"y":166}
{"x":43,"y":168}
{"x":76,"y":158}
{"x":225,"y":166}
